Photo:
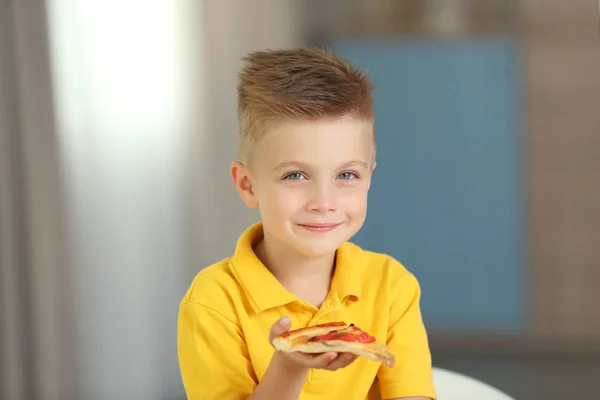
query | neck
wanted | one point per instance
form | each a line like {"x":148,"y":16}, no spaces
{"x":304,"y":276}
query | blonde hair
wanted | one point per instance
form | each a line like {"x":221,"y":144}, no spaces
{"x":302,"y":84}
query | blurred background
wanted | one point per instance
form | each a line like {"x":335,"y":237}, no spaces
{"x":118,"y":124}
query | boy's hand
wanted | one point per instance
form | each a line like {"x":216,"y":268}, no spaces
{"x":287,"y":372}
{"x":297,"y":360}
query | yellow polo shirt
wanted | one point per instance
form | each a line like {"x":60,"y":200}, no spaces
{"x":226,"y":315}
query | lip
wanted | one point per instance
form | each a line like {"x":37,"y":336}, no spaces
{"x":327,"y":227}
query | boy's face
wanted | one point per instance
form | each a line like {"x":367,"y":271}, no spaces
{"x":310,"y":182}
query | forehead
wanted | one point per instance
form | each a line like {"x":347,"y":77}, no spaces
{"x":318,"y":142}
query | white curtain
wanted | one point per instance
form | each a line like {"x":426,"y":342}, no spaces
{"x":130,"y":96}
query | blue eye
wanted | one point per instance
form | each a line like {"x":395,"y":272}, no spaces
{"x":294,"y":176}
{"x":347,"y":175}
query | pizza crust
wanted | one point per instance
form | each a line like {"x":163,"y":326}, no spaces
{"x":297,"y":341}
{"x":315,"y":330}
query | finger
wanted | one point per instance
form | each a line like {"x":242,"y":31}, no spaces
{"x":342,"y":361}
{"x":280,"y":326}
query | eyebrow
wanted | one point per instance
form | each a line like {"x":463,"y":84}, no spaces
{"x":301,"y":165}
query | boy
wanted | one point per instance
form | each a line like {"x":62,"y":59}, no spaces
{"x":307,"y":152}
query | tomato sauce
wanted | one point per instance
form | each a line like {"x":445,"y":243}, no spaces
{"x":355,"y":335}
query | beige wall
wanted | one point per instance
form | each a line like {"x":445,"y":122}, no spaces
{"x":562,"y":65}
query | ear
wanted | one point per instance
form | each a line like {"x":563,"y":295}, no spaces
{"x":371,"y":175}
{"x":241,"y":179}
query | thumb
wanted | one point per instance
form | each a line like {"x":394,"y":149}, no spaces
{"x":281,"y":326}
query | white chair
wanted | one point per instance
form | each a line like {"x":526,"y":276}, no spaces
{"x":454,"y":386}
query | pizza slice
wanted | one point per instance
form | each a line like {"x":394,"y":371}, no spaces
{"x":337,"y":337}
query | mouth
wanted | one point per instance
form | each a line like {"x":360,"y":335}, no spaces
{"x":327,"y":227}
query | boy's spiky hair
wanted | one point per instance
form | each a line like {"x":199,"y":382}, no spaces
{"x":301,"y":84}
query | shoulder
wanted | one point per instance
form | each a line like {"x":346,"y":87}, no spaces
{"x":215,"y":288}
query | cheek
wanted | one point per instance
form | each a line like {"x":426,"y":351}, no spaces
{"x":280,"y":201}
{"x":355,"y":205}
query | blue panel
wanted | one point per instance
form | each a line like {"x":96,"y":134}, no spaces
{"x":446,"y":195}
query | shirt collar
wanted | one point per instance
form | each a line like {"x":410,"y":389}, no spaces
{"x":261,"y":287}
{"x":348,"y":268}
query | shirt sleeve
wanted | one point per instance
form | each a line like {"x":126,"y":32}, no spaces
{"x":407,"y":340}
{"x":213,"y":357}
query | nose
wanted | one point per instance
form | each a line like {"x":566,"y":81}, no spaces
{"x":322,"y":199}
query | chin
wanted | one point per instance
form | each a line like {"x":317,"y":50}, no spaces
{"x":317,"y":253}
{"x":317,"y":250}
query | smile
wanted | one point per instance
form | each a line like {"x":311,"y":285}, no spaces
{"x":319,"y":227}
